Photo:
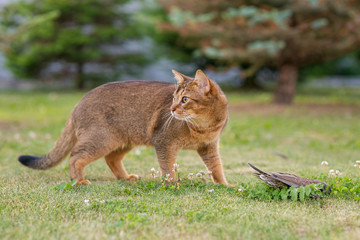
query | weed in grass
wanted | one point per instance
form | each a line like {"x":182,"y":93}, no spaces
{"x":264,"y":192}
{"x":66,"y":186}
{"x":344,"y":187}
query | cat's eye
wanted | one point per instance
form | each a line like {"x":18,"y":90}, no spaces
{"x":184,"y":99}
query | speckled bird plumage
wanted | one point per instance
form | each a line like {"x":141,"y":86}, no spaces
{"x":278,"y":179}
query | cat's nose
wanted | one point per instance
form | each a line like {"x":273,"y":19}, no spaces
{"x":172,"y":109}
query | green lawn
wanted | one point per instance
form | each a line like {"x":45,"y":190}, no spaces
{"x":320,"y":126}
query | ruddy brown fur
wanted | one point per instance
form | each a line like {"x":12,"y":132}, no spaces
{"x":115,"y":117}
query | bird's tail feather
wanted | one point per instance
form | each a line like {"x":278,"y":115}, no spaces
{"x":256,"y":169}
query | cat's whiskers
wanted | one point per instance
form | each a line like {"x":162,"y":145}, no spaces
{"x":167,"y":115}
{"x":169,"y":122}
{"x":191,"y":123}
{"x":188,"y":125}
{"x":170,"y":117}
{"x":195,"y":120}
{"x":194,"y":123}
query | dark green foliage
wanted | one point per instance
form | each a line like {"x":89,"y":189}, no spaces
{"x":167,"y":43}
{"x":265,"y":32}
{"x":345,"y":66}
{"x":344,"y":187}
{"x":286,"y":35}
{"x":65,"y":186}
{"x":77,"y":33}
{"x":262,"y":191}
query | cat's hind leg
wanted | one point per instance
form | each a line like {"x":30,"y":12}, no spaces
{"x":114,"y":161}
{"x":83,"y":153}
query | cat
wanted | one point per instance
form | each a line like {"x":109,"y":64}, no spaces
{"x":115,"y":117}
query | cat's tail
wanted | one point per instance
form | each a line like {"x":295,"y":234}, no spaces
{"x":62,"y":148}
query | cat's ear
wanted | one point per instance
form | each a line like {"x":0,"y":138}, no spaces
{"x":202,"y":81}
{"x":180,"y":78}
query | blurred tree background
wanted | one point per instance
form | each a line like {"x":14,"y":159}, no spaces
{"x":86,"y":40}
{"x":283,"y":34}
{"x":77,"y":34}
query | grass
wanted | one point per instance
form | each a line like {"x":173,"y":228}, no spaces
{"x":320,"y":126}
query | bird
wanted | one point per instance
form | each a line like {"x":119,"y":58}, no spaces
{"x":279,"y":180}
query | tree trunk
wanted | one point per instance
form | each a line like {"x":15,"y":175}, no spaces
{"x":286,"y":84}
{"x":80,"y":81}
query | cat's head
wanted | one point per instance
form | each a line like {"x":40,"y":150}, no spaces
{"x":198,"y":98}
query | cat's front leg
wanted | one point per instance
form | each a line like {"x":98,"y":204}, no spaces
{"x":167,"y":157}
{"x":211,"y":157}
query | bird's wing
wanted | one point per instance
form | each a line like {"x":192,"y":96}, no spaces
{"x":289,"y":179}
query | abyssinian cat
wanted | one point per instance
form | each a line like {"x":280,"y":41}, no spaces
{"x":115,"y":117}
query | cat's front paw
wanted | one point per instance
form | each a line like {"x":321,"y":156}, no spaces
{"x":83,"y":182}
{"x":133,"y":177}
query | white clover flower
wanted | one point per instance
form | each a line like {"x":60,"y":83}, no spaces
{"x":154,"y":173}
{"x":202,"y":172}
{"x":338,"y":173}
{"x":332,"y":172}
{"x":168,"y":178}
{"x":86,"y":201}
{"x":209,"y":173}
{"x":240,"y":190}
{"x":176,"y":167}
{"x":199,"y":175}
{"x":210,"y":190}
{"x":190,"y":176}
{"x":324,"y":163}
{"x":102,"y":201}
{"x":357,"y":164}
